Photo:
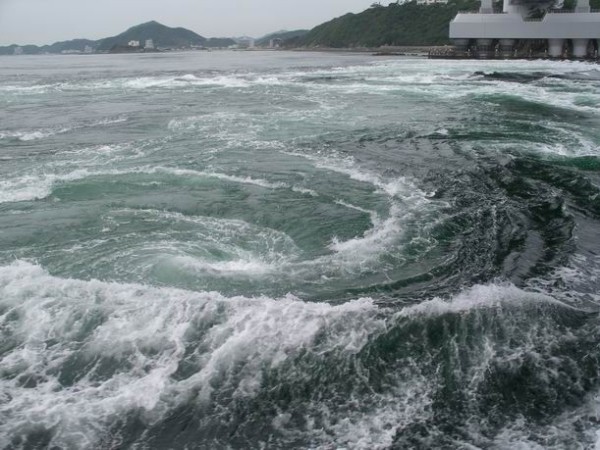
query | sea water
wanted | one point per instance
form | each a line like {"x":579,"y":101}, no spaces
{"x":298,"y":250}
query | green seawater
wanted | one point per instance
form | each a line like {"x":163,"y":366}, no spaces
{"x":298,"y":250}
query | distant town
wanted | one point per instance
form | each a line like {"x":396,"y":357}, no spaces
{"x":136,"y":46}
{"x":153,"y":37}
{"x":403,"y":24}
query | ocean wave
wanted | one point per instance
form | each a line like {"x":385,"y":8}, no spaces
{"x":150,"y":333}
{"x":131,"y":83}
{"x":375,"y":240}
{"x":398,"y":187}
{"x":406,"y":202}
{"x":87,"y":355}
{"x":33,"y":135}
{"x":482,"y":297}
{"x":38,"y":186}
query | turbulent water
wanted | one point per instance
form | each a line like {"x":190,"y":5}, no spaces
{"x":295,"y":250}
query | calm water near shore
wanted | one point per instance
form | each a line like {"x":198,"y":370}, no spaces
{"x":298,"y":250}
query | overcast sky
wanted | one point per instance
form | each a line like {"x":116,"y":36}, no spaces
{"x":48,"y":21}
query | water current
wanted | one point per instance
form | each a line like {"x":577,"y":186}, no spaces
{"x":298,"y":250}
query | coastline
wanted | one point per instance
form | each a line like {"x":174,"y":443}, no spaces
{"x":404,"y":50}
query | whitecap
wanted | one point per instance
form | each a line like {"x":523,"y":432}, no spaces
{"x":54,"y":322}
{"x":481,"y":297}
{"x":34,"y":135}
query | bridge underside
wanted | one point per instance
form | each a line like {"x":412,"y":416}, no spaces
{"x":573,"y":34}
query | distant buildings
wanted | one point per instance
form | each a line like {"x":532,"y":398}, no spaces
{"x":87,"y":49}
{"x":134,"y":43}
{"x":149,"y":45}
{"x":431,"y":2}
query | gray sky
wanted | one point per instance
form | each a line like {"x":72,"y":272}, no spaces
{"x":48,"y":21}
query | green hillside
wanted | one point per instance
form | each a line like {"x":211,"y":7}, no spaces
{"x":162,"y":36}
{"x":283,"y":35}
{"x":396,"y":24}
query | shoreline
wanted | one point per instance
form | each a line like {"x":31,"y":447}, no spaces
{"x":405,"y":50}
{"x":419,"y":51}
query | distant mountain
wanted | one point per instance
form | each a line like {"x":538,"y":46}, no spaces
{"x":284,"y":35}
{"x":161,"y":35}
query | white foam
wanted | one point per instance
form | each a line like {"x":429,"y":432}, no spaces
{"x":23,"y":89}
{"x":35,"y":187}
{"x":238,"y":267}
{"x":372,"y":214}
{"x":405,"y":199}
{"x":302,"y":190}
{"x":148,"y":332}
{"x":33,"y":135}
{"x":188,"y":77}
{"x":479,"y":297}
{"x":374,"y":240}
{"x":224,"y":81}
{"x":397,"y":187}
{"x":145,"y":331}
{"x":234,"y":179}
{"x":243,"y":249}
{"x":38,"y":186}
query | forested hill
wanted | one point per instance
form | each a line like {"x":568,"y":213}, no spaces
{"x":283,"y":35}
{"x":162,"y":36}
{"x":396,"y":24}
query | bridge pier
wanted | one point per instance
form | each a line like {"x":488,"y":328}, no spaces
{"x":518,"y":23}
{"x":484,"y":48}
{"x":506,"y":47}
{"x":580,"y":48}
{"x":556,"y":47}
{"x":461,"y":46}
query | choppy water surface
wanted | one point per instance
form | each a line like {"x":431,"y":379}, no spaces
{"x":280,"y":250}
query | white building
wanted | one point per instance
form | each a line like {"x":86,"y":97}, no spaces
{"x":88,"y":49}
{"x":149,"y":45}
{"x":431,"y":2}
{"x":18,"y":51}
{"x":134,"y":43}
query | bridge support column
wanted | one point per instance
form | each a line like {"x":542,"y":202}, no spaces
{"x":484,"y":48}
{"x":580,"y":47}
{"x":555,"y":47}
{"x":506,"y":47}
{"x":582,"y":6}
{"x":461,"y":46}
